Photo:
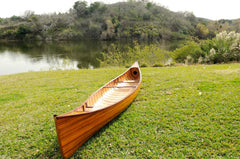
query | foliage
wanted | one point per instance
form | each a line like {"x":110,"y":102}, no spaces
{"x":149,"y":5}
{"x":224,"y":48}
{"x":70,"y":34}
{"x":94,"y":6}
{"x":172,"y":63}
{"x":132,"y":20}
{"x":190,"y":49}
{"x":144,"y":65}
{"x":189,"y":60}
{"x":10,"y":34}
{"x":81,"y":8}
{"x":148,"y":55}
{"x":15,"y":18}
{"x":180,"y":112}
{"x":94,"y":31}
{"x":224,"y":25}
{"x":201,"y":31}
{"x":157,"y":65}
{"x":22,"y":32}
{"x":28,"y":14}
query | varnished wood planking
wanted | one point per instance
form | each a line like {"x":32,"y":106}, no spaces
{"x":76,"y":127}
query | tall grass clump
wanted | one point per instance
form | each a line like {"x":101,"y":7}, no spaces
{"x":147,"y":55}
{"x":226,"y":48}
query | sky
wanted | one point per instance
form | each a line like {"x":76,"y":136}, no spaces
{"x":210,"y":9}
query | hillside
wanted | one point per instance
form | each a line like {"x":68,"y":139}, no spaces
{"x":124,"y":20}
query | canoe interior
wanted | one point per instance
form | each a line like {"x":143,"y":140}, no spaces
{"x":111,"y":93}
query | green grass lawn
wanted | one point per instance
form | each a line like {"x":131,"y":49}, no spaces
{"x":180,"y":112}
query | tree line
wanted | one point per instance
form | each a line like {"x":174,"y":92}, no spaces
{"x":132,"y":20}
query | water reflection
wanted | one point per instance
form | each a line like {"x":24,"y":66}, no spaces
{"x":16,"y":57}
{"x":24,"y":57}
{"x":17,"y":62}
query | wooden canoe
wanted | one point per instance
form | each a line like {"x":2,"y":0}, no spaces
{"x":76,"y":127}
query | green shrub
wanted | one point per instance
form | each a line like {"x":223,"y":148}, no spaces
{"x":192,"y":49}
{"x":144,"y":65}
{"x":147,"y":55}
{"x":70,"y":34}
{"x":172,"y":63}
{"x":224,"y":48}
{"x":8,"y":34}
{"x":206,"y":45}
{"x":22,"y":31}
{"x":127,"y":66}
{"x":94,"y":31}
{"x":157,"y":65}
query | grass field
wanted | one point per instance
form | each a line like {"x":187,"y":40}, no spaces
{"x":180,"y":112}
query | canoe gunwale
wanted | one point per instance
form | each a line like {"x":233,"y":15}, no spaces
{"x":104,"y":86}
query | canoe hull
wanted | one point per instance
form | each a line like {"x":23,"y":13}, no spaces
{"x":74,"y":130}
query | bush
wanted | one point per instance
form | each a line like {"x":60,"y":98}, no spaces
{"x":157,"y":65}
{"x":200,"y":60}
{"x":189,"y":60}
{"x":94,"y":31}
{"x":147,"y":55}
{"x":8,"y":34}
{"x":172,"y":63}
{"x":70,"y":34}
{"x":190,"y":49}
{"x":22,"y":32}
{"x":144,"y":65}
{"x":226,"y":47}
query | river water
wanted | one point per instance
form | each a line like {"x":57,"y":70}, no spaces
{"x":17,"y":57}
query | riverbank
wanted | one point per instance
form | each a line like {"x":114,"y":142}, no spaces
{"x":180,"y":112}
